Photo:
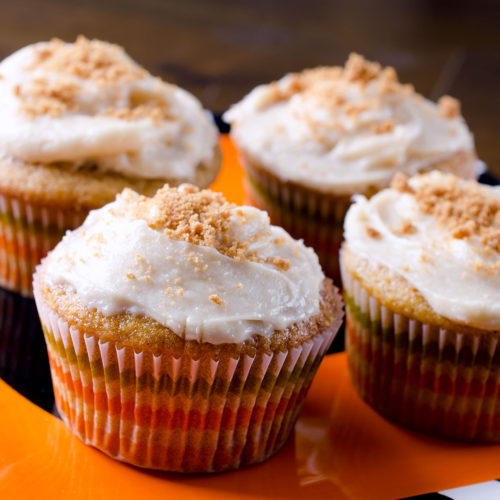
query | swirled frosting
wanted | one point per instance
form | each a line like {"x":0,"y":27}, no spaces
{"x":345,"y":129}
{"x":88,"y":103}
{"x":442,"y":235}
{"x":207,"y":269}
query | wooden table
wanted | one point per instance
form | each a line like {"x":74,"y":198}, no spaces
{"x":220,"y":49}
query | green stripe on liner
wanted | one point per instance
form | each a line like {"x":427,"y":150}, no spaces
{"x":34,"y":228}
{"x":361,"y":317}
{"x":127,"y":378}
{"x":96,"y":368}
{"x":111,"y":372}
{"x":385,"y":335}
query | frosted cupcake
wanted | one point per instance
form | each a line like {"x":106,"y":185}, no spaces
{"x":421,"y":275}
{"x":79,"y":123}
{"x":313,"y":139}
{"x":183,"y":331}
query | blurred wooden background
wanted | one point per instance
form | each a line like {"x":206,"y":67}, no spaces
{"x":220,"y":49}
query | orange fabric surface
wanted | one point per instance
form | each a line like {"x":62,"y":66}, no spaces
{"x":341,"y":448}
{"x":230,"y":178}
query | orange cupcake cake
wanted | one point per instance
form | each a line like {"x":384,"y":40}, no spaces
{"x":183,"y":331}
{"x":311,"y":140}
{"x":421,"y":275}
{"x":80,"y":122}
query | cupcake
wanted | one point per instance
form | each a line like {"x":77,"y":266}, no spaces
{"x":311,"y":140}
{"x":183,"y":331}
{"x":80,"y":122}
{"x":421,"y":275}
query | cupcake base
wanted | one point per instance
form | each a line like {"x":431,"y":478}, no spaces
{"x":430,"y":379}
{"x":185,"y":414}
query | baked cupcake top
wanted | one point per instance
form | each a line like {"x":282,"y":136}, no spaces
{"x":344,"y":129}
{"x":207,"y":269}
{"x":441,"y":234}
{"x":89,"y":104}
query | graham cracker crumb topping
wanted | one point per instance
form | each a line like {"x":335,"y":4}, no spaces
{"x":358,"y":69}
{"x":216,"y":299}
{"x":373,"y":233}
{"x":329,"y":82}
{"x":449,"y":107}
{"x":201,"y":218}
{"x":405,"y":228}
{"x":48,"y":97}
{"x":383,"y":127}
{"x":464,"y":208}
{"x":400,"y":183}
{"x":100,"y":61}
{"x":358,"y":87}
{"x":68,"y":66}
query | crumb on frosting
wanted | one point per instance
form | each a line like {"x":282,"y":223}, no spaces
{"x":279,"y":262}
{"x":96,"y":60}
{"x":449,"y":107}
{"x":42,"y":96}
{"x":201,"y":218}
{"x":383,"y":127}
{"x":405,"y":228}
{"x":216,"y":299}
{"x":464,"y":208}
{"x":373,"y":233}
{"x":400,"y":183}
{"x":105,"y":64}
{"x":331,"y":87}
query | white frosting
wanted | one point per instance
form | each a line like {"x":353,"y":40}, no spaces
{"x":306,"y":139}
{"x":170,"y":150}
{"x":97,"y":262}
{"x":456,"y":277}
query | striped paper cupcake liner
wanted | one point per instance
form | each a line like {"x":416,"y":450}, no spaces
{"x":27,"y":232}
{"x":314,"y":217}
{"x":430,"y":379}
{"x":177,"y":414}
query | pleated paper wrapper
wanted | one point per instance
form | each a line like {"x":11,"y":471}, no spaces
{"x":178,"y":414}
{"x":430,"y":379}
{"x":27,"y":232}
{"x":315,"y":217}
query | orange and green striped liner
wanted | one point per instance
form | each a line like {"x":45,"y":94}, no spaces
{"x":177,"y":414}
{"x":430,"y":379}
{"x":314,"y":217}
{"x":27,"y":232}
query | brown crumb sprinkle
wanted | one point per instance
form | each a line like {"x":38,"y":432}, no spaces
{"x":327,"y":83}
{"x":384,"y":127}
{"x":216,"y":299}
{"x":279,"y":262}
{"x":405,"y":228}
{"x":373,"y":233}
{"x":102,"y":62}
{"x":464,"y":208}
{"x":42,"y":96}
{"x":156,"y":113}
{"x":198,"y":217}
{"x":449,"y":107}
{"x":400,"y":183}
